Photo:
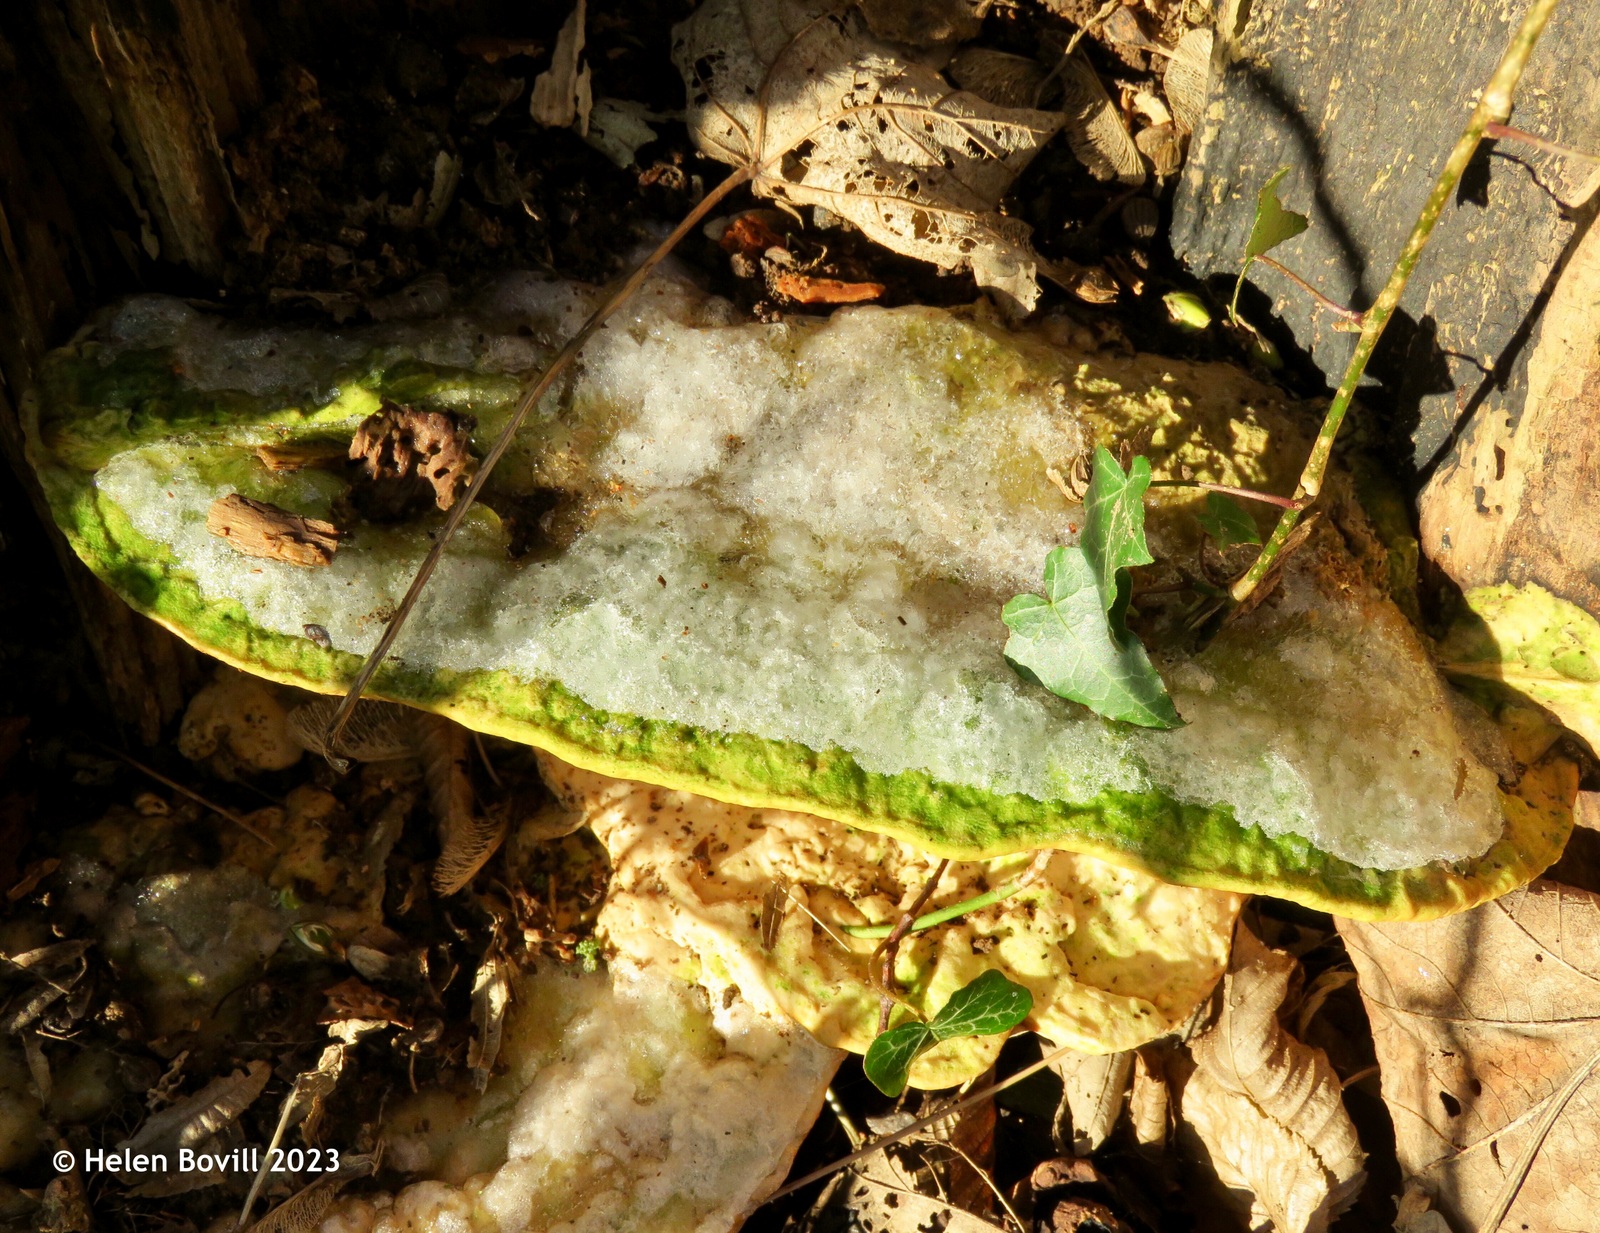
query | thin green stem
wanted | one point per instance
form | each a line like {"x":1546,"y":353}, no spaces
{"x":942,"y":915}
{"x":530,"y":398}
{"x":1493,"y":108}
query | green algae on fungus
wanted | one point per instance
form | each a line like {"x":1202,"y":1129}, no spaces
{"x":773,"y":562}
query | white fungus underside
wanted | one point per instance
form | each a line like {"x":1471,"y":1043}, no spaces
{"x":798,"y":502}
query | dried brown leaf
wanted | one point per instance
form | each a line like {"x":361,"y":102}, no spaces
{"x":468,"y":839}
{"x":1093,"y":1090}
{"x":377,"y":731}
{"x":491,"y":997}
{"x":1187,"y":77}
{"x":1268,"y":1109}
{"x":202,"y":1115}
{"x":260,"y":529}
{"x":823,"y":113}
{"x":891,"y":1209}
{"x":1481,"y":1022}
{"x":1150,"y":1101}
{"x":997,"y":77}
{"x":563,"y":94}
{"x":1094,"y":126}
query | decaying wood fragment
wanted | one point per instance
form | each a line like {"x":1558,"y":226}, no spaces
{"x":409,"y":457}
{"x":807,"y":290}
{"x":298,"y":456}
{"x":259,"y":529}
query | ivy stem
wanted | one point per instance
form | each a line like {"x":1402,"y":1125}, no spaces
{"x":942,"y":915}
{"x":1504,"y":132}
{"x":1494,"y":107}
{"x":1246,"y":494}
{"x":530,"y":398}
{"x":1338,"y":310}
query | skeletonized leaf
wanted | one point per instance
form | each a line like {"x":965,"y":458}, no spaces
{"x":892,"y":1209}
{"x":377,"y":731}
{"x":823,"y":113}
{"x":1268,"y":1109}
{"x":1487,"y":1025}
{"x":1093,"y":1088}
{"x":469,"y":839}
{"x":1188,"y":73}
{"x":1094,"y":127}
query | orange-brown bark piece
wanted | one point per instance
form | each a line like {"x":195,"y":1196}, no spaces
{"x":259,"y":529}
{"x":298,"y":457}
{"x":404,"y":453}
{"x":807,"y":290}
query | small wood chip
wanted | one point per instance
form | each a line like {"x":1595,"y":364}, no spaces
{"x":258,"y":529}
{"x":806,"y":290}
{"x":298,"y":457}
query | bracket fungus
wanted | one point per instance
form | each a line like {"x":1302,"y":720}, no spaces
{"x":765,"y":563}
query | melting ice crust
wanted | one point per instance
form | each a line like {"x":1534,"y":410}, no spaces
{"x":816,"y":529}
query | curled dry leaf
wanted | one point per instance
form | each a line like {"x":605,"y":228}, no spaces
{"x":1268,"y":1109}
{"x":1094,"y":127}
{"x":1483,"y":1022}
{"x":1094,"y":1088}
{"x":562,"y":93}
{"x":260,"y":529}
{"x":468,"y":838}
{"x":491,"y":998}
{"x":822,"y":113}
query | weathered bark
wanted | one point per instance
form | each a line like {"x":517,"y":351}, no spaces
{"x":111,"y":117}
{"x":1363,"y":101}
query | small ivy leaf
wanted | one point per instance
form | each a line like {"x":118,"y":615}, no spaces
{"x":985,"y":1006}
{"x":1272,"y":226}
{"x":1113,"y":531}
{"x":1226,"y":522}
{"x":889,"y":1057}
{"x":1064,"y":641}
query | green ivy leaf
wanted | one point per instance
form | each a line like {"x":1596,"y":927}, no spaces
{"x":984,"y":1006}
{"x":1113,"y":530}
{"x":889,"y":1056}
{"x":1226,"y":522}
{"x":1064,"y":642}
{"x":1273,"y":224}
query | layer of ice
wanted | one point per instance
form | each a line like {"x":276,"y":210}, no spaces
{"x":807,"y":530}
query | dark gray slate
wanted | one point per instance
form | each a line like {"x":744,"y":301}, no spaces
{"x":1363,"y":100}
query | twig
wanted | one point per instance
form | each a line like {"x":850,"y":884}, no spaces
{"x":1338,"y":310}
{"x":922,"y":1123}
{"x":957,"y":909}
{"x":891,"y":944}
{"x":1519,"y":1171}
{"x":530,"y":398}
{"x":1245,"y":494}
{"x":1494,"y":107}
{"x":192,"y":795}
{"x":1105,"y":11}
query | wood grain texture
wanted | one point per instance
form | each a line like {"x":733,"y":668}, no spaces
{"x":1363,"y":101}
